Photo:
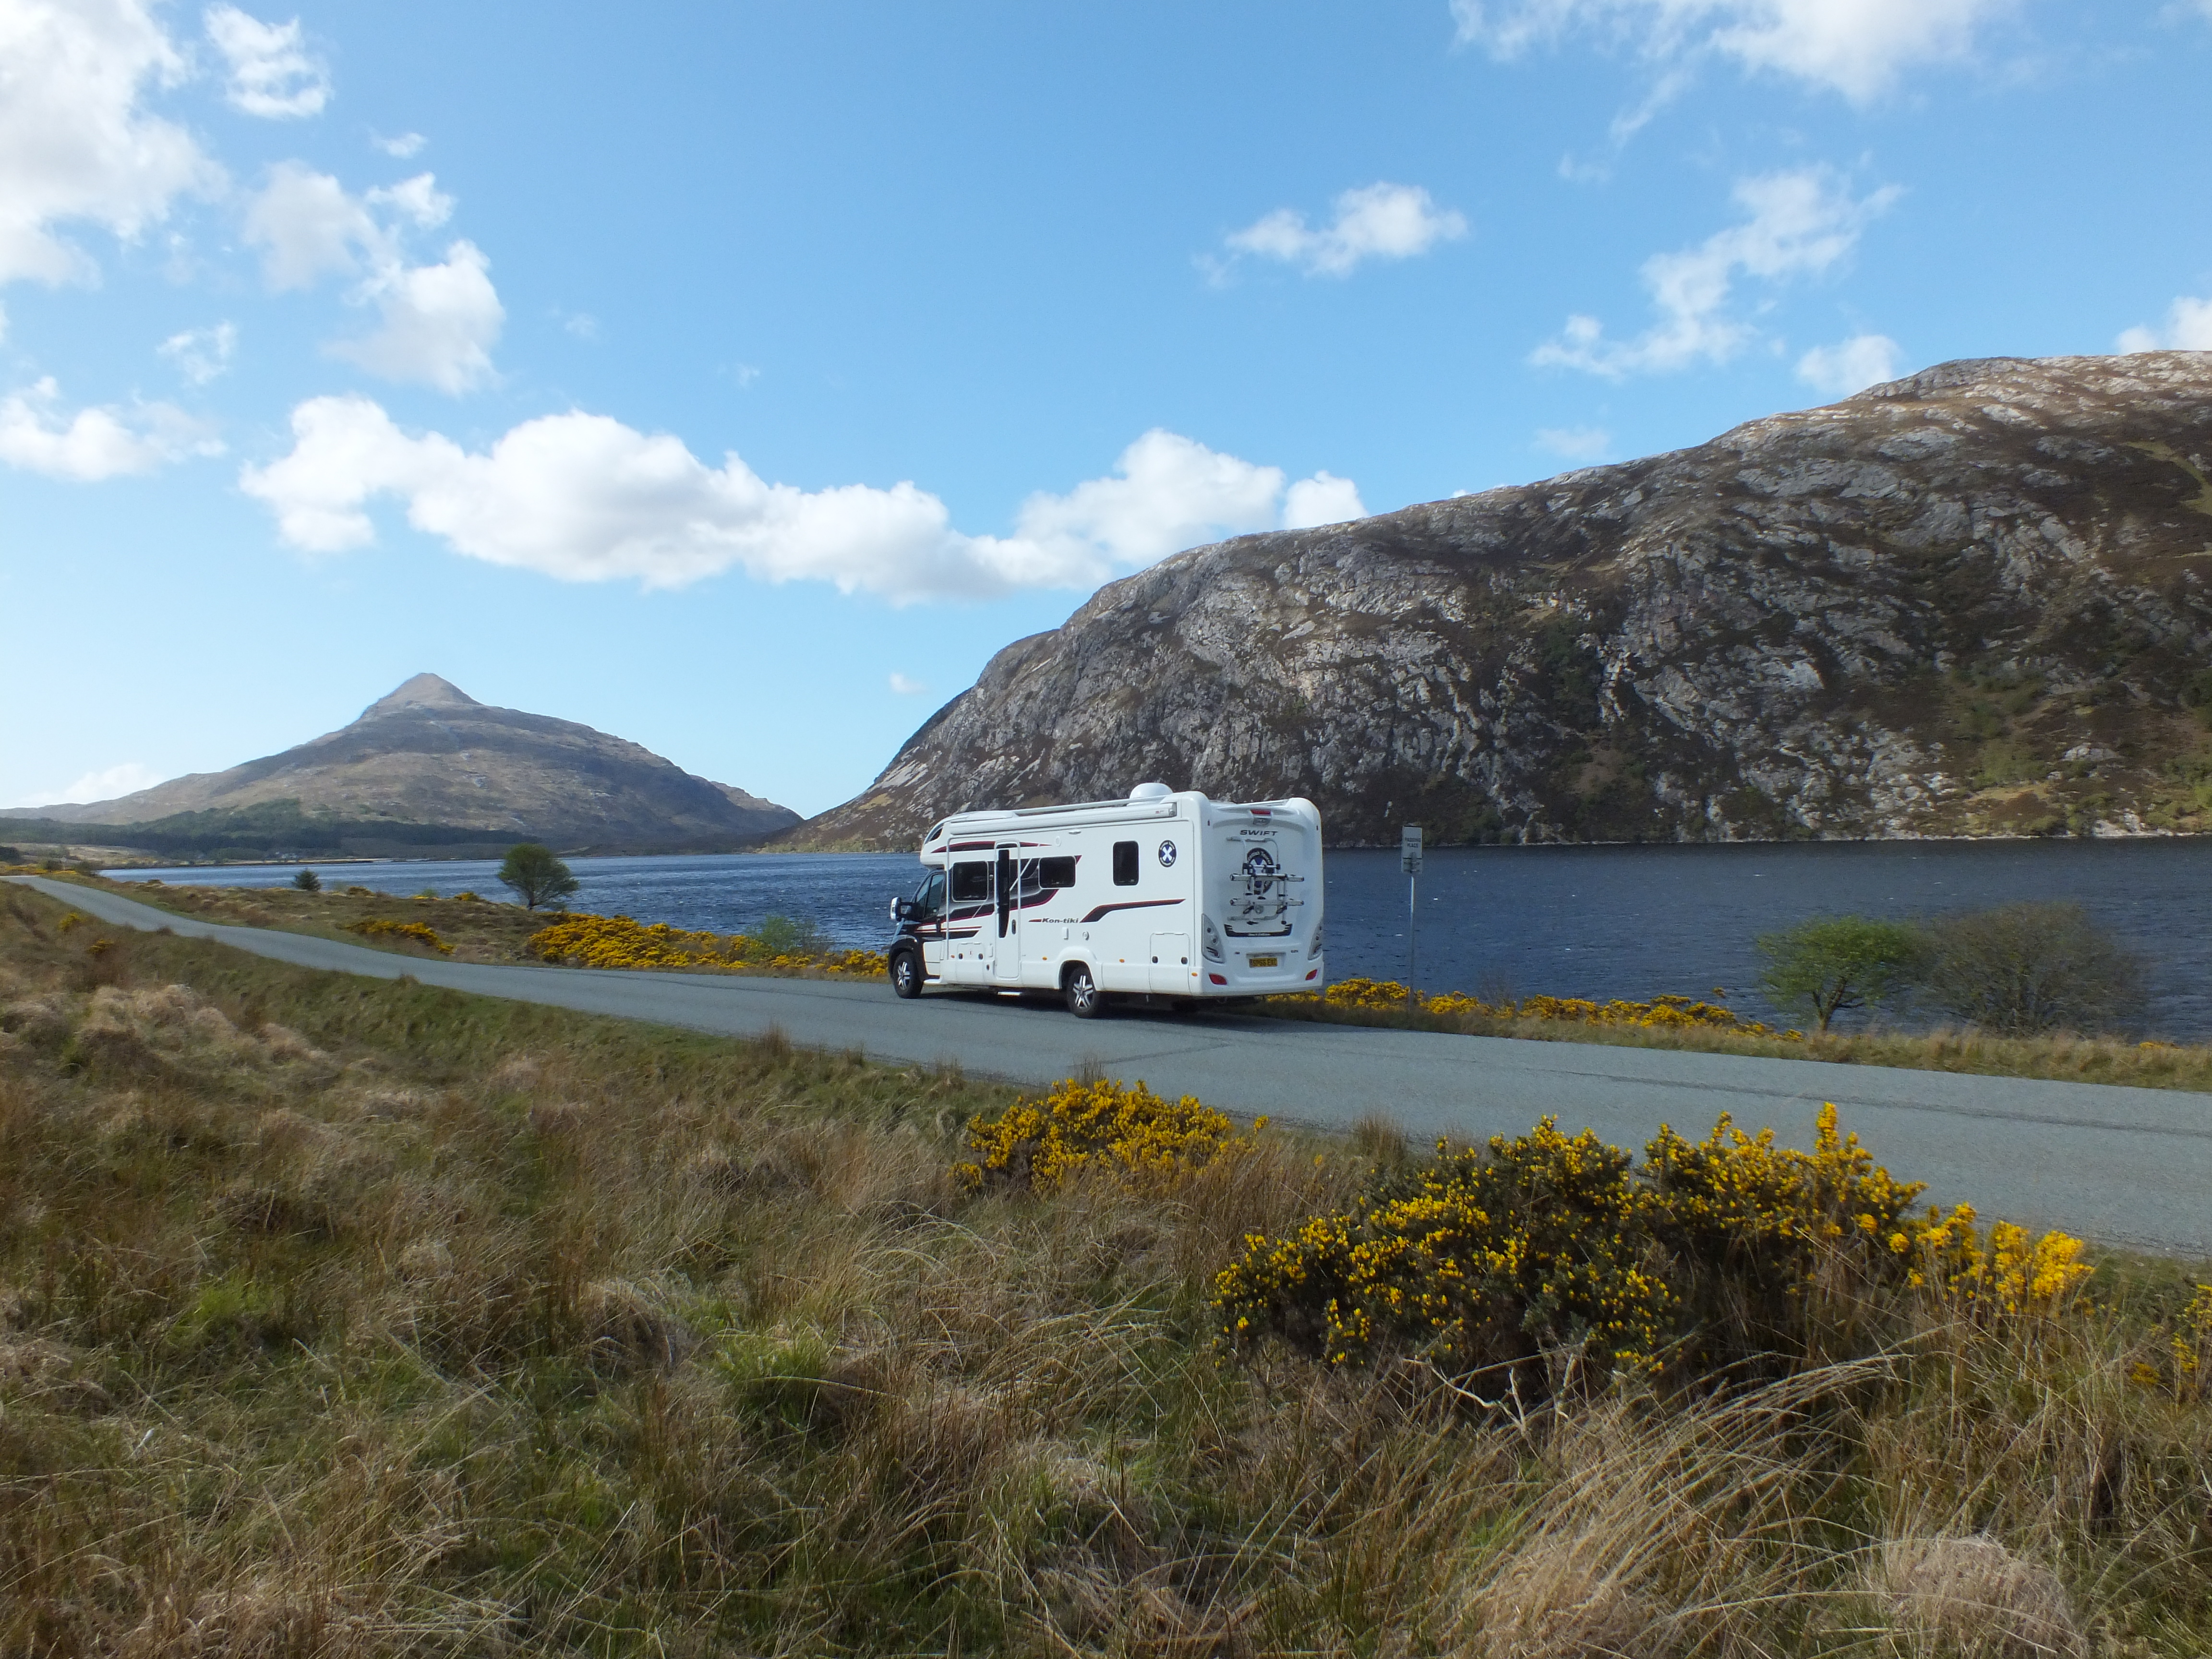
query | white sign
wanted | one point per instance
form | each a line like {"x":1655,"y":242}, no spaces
{"x":1409,"y":848}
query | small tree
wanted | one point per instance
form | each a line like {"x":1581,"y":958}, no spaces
{"x":2029,"y":966}
{"x":1830,"y":964}
{"x":307,"y":882}
{"x":535,"y":875}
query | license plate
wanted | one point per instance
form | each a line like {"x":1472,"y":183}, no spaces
{"x":1264,"y":961}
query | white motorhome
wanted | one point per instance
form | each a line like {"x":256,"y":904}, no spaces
{"x":1165,"y":895}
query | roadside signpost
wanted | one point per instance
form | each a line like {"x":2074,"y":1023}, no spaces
{"x":1409,"y":856}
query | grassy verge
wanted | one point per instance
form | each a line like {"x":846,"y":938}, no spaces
{"x":473,"y":928}
{"x":341,"y":1316}
{"x":2062,"y":1056}
{"x":480,"y":931}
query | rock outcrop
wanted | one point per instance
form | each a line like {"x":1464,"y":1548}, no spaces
{"x":430,"y":754}
{"x":1975,"y":602}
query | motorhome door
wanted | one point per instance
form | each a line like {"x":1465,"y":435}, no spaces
{"x":1006,"y":966}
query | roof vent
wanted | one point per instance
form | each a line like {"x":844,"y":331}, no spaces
{"x":1151,"y":792}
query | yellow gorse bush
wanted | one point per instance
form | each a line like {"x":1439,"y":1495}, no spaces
{"x":1122,"y":1129}
{"x":2000,"y":1271}
{"x":586,"y":941}
{"x":1709,"y":1252}
{"x":1539,"y":1240}
{"x":1661,"y":1014}
{"x":421,"y":932}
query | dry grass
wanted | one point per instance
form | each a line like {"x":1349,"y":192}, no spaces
{"x":479,"y":930}
{"x":2065,"y":1057}
{"x":344,"y":1317}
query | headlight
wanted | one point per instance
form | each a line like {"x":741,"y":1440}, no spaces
{"x":1209,"y":941}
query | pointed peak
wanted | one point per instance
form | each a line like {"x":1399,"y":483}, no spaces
{"x":423,"y":692}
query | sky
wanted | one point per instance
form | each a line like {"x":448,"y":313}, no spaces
{"x":739,"y":377}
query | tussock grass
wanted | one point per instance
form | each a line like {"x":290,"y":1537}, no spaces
{"x":343,"y":1317}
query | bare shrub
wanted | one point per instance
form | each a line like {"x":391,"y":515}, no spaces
{"x":1974,"y":1597}
{"x":2028,"y":968}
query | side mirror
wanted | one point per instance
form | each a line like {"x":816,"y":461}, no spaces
{"x":902,"y":908}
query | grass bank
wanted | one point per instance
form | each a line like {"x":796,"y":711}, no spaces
{"x":2064,"y":1056}
{"x":482,"y":931}
{"x":468,"y":926}
{"x":341,"y":1316}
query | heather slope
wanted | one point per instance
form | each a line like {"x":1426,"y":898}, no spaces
{"x":1973,"y":602}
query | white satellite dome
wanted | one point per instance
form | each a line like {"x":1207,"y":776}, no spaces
{"x":1151,"y":792}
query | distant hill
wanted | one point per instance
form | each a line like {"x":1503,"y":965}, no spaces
{"x":1976,"y":601}
{"x":428,"y":768}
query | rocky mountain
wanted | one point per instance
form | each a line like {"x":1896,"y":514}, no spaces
{"x":430,"y":758}
{"x":1976,"y":601}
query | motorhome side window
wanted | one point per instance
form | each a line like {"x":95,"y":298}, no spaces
{"x":929,"y":897}
{"x":1038,"y":874}
{"x":1125,"y":863}
{"x":971,"y":881}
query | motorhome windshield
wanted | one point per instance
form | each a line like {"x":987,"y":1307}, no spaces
{"x":929,"y":897}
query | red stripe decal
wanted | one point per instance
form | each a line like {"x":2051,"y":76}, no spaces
{"x":1132,"y":905}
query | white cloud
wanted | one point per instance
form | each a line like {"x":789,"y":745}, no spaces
{"x":305,"y":224}
{"x":1856,"y":47}
{"x":418,"y":199}
{"x":2188,"y":322}
{"x":905,"y":687}
{"x":202,"y":354}
{"x":76,"y":142}
{"x":1575,"y":443}
{"x":1322,"y":499}
{"x":584,"y":498}
{"x":1862,"y":361}
{"x":406,"y":144}
{"x":271,"y":74}
{"x":1801,"y":222}
{"x":1377,"y":222}
{"x":36,"y":436}
{"x":439,"y":322}
{"x":1169,"y":492}
{"x":105,"y":785}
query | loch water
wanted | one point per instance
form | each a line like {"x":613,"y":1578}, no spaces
{"x":1589,"y":922}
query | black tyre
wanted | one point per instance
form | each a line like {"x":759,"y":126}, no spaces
{"x":906,"y":973}
{"x":1085,"y":999}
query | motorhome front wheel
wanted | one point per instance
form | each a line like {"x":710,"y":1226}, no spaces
{"x":906,"y":974}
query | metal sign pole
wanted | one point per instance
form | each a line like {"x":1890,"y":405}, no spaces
{"x":1409,"y":856}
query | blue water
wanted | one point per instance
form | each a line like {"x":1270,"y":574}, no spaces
{"x":1595,"y":922}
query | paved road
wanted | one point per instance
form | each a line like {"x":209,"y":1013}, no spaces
{"x":2130,"y":1166}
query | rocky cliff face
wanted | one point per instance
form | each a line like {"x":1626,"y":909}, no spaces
{"x":429,"y":754}
{"x":1974,"y":602}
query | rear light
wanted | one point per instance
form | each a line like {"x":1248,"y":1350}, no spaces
{"x":1217,"y":979}
{"x":1313,"y":973}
